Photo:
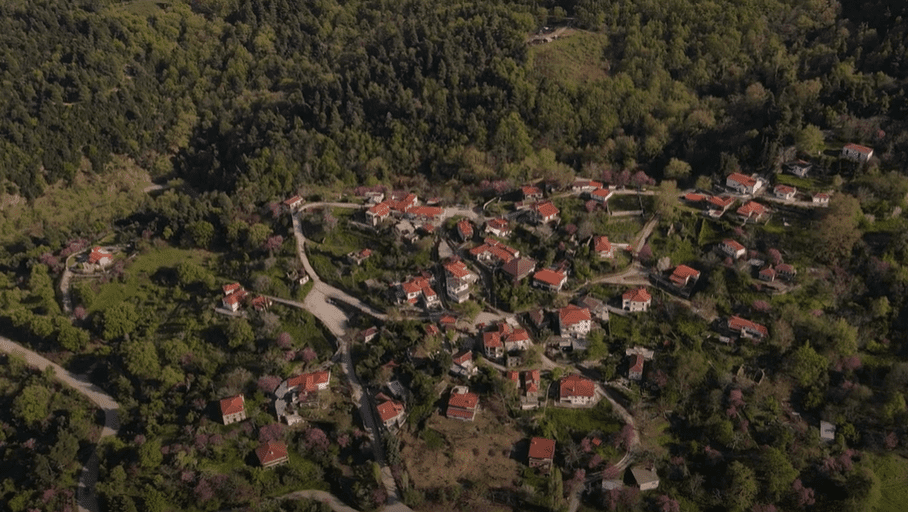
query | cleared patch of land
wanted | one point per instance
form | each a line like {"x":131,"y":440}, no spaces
{"x":576,"y":57}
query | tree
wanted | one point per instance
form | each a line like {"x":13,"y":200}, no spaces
{"x":239,"y":332}
{"x":666,"y":201}
{"x":704,"y":183}
{"x":810,"y":140}
{"x":777,"y":472}
{"x":807,"y":366}
{"x":511,"y":139}
{"x":150,"y":456}
{"x":32,"y":404}
{"x":201,"y":232}
{"x":743,"y":486}
{"x":257,"y":236}
{"x":141,"y":359}
{"x":119,"y":320}
{"x":838,"y":231}
{"x":677,"y":170}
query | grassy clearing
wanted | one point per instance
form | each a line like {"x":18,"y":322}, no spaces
{"x":63,"y":208}
{"x":139,"y":282}
{"x":566,"y":422}
{"x":576,"y":58}
{"x":892,"y":471}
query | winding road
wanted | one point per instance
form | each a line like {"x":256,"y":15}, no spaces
{"x":86,"y":498}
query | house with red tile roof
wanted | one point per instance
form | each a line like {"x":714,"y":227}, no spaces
{"x":369,"y":334}
{"x":635,"y":300}
{"x":747,"y":328}
{"x":462,"y":405}
{"x":233,"y":409}
{"x":603,"y":247}
{"x":576,"y":390}
{"x":417,"y":288}
{"x":856,"y":152}
{"x":462,"y":364}
{"x":465,"y":230}
{"x":498,"y":227}
{"x":720,"y":203}
{"x":358,"y":257}
{"x":743,"y":184}
{"x":307,"y":385}
{"x":272,"y":454}
{"x":260,"y":303}
{"x":545,"y":212}
{"x":425,"y":213}
{"x":692,"y":197}
{"x":493,"y":252}
{"x":767,"y":274}
{"x":402,"y":201}
{"x":752,"y":211}
{"x":234,"y":300}
{"x":601,"y":195}
{"x":98,"y":259}
{"x":784,"y":192}
{"x":542,"y":453}
{"x":820,"y":199}
{"x":530,"y":393}
{"x":390,"y":411}
{"x":585,"y":186}
{"x":517,"y":339}
{"x":530,"y":192}
{"x":458,"y":278}
{"x":574,"y":321}
{"x":684,"y":275}
{"x":732,"y":249}
{"x":519,"y":268}
{"x":492,"y":346}
{"x":786,"y":271}
{"x":551,"y":280}
{"x":376,"y":214}
{"x":231,"y":288}
{"x":293,"y":204}
{"x":635,"y":369}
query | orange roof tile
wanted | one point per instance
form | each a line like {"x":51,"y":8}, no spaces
{"x":572,"y":314}
{"x":390,"y":410}
{"x":576,"y":385}
{"x":463,"y":400}
{"x":233,"y":405}
{"x":271,"y":452}
{"x":747,"y":181}
{"x":542,"y":448}
{"x":637,"y":295}
{"x":550,"y":277}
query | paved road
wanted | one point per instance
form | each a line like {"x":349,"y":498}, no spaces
{"x":87,"y":500}
{"x":320,"y":302}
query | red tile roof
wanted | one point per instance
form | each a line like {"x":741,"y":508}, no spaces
{"x":447,"y":320}
{"x":575,"y":385}
{"x":462,"y":357}
{"x":637,"y":363}
{"x":546,"y":209}
{"x":733,"y":245}
{"x":737,"y":323}
{"x":601,"y":193}
{"x":529,"y":191}
{"x":783,"y":189}
{"x":431,"y":330}
{"x":233,"y":405}
{"x":859,"y":148}
{"x":465,"y":227}
{"x":602,"y":244}
{"x":751,"y":208}
{"x":390,"y":410}
{"x":97,"y":254}
{"x":550,"y":277}
{"x":572,"y":314}
{"x":747,"y":181}
{"x":463,"y":401}
{"x":519,"y":267}
{"x":293,"y":200}
{"x":498,"y":224}
{"x":380,"y":210}
{"x":491,"y":339}
{"x":721,"y":201}
{"x":460,"y":413}
{"x":785,"y":268}
{"x":542,"y":448}
{"x":637,"y":295}
{"x":682,"y":273}
{"x":271,"y":452}
{"x":426,"y":211}
{"x":694,"y":198}
{"x":513,"y":376}
{"x":230,"y":288}
{"x":235,"y":297}
{"x":457,"y":269}
{"x":309,"y":381}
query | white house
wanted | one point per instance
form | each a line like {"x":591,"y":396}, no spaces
{"x":636,"y":300}
{"x":856,"y":152}
{"x":574,"y":321}
{"x":603,"y":247}
{"x":784,"y":192}
{"x":743,"y":184}
{"x":821,"y":199}
{"x":551,"y":280}
{"x":576,"y":390}
{"x":732,"y":249}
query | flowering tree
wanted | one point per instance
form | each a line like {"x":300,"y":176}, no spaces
{"x":272,"y":432}
{"x":667,"y":504}
{"x":308,"y":355}
{"x":284,"y":340}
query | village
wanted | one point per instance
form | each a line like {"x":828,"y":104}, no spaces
{"x":536,"y":349}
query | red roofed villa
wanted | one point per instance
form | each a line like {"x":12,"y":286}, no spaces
{"x":271,"y":454}
{"x":635,"y":300}
{"x":462,"y":405}
{"x":574,"y":321}
{"x":743,"y":184}
{"x":747,"y":328}
{"x":603,"y":247}
{"x":856,"y":152}
{"x":545,"y":211}
{"x":550,"y":280}
{"x":577,"y":390}
{"x":684,"y":275}
{"x":233,"y":409}
{"x":542,"y":452}
{"x":752,"y":211}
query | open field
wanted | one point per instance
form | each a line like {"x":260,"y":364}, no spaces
{"x":576,"y":58}
{"x":481,"y":451}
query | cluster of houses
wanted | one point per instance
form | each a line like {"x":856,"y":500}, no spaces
{"x":235,"y":297}
{"x":98,"y":259}
{"x":403,"y":205}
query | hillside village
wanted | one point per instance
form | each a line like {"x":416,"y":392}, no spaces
{"x":514,"y":317}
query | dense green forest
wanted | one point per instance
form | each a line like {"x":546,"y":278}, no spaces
{"x":263,"y":96}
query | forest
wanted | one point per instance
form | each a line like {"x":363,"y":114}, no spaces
{"x":234,"y":105}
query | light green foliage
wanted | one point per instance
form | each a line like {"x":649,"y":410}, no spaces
{"x":32,"y":404}
{"x":677,"y":170}
{"x":743,"y":488}
{"x":810,"y":140}
{"x":141,"y":359}
{"x":807,"y":366}
{"x":119,"y":320}
{"x":201,"y":233}
{"x":777,"y":472}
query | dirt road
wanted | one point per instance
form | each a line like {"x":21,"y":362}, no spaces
{"x":86,"y":498}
